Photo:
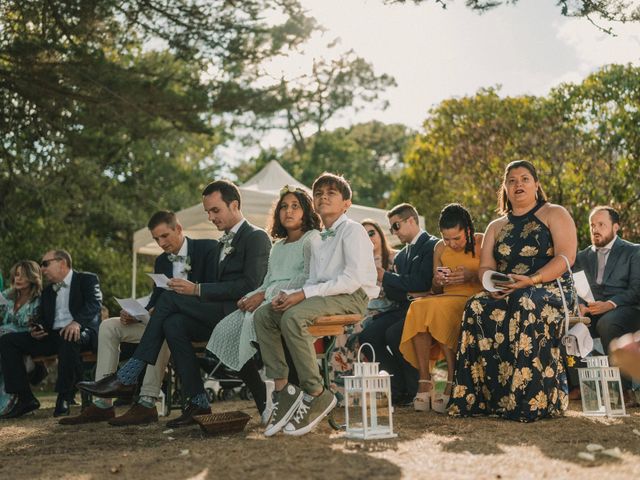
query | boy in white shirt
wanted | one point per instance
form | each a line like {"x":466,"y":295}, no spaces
{"x":342,"y":279}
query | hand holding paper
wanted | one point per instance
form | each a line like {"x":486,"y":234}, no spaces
{"x":133,"y":308}
{"x":160,"y":279}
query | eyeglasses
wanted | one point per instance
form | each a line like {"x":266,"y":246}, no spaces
{"x":371,"y":233}
{"x":395,"y":226}
{"x":45,"y":263}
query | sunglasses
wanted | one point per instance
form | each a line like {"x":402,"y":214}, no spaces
{"x":395,"y":226}
{"x":371,"y":233}
{"x":45,"y":263}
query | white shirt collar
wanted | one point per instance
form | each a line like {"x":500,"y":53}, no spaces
{"x":184,"y":248}
{"x":67,"y":279}
{"x":237,"y":226}
{"x":415,"y":239}
{"x":608,"y":245}
{"x":341,"y":219}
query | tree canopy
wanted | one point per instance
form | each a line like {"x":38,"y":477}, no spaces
{"x":583,"y":139}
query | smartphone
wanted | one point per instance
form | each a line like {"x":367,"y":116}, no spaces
{"x":38,"y":327}
{"x":444,"y":270}
{"x":501,"y":278}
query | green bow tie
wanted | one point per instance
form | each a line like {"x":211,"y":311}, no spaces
{"x":176,"y":258}
{"x":329,"y":232}
{"x":58,"y":286}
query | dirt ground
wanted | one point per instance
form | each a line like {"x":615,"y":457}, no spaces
{"x":428,"y":446}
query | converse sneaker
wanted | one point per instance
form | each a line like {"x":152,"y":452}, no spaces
{"x":310,"y":412}
{"x":268,"y":409}
{"x":285,"y":404}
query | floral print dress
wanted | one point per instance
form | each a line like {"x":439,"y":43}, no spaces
{"x":509,"y":362}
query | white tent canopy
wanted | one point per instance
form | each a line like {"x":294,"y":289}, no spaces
{"x":258,"y":195}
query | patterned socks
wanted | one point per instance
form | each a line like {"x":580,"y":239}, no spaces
{"x":130,"y":371}
{"x":103,"y":403}
{"x":147,"y":401}
{"x":200,"y":400}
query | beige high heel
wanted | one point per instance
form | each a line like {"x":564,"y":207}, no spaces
{"x":422,"y":400}
{"x":441,"y":400}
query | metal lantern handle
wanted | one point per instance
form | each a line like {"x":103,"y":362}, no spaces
{"x":372,"y":351}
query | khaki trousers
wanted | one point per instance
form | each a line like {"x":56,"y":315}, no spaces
{"x":112,"y":333}
{"x":292,"y":325}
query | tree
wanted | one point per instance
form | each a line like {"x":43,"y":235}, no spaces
{"x":111,"y":109}
{"x":369,"y":155}
{"x":582,"y":138}
{"x":595,"y":11}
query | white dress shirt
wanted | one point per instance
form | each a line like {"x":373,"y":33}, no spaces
{"x":63,"y":316}
{"x":343,"y":263}
{"x":179,"y":266}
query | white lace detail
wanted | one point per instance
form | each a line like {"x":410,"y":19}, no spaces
{"x":300,"y":412}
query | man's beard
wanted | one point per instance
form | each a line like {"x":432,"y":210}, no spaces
{"x":604,"y":240}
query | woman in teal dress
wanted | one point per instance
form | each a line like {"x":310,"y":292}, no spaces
{"x":509,"y":362}
{"x":295,"y":225}
{"x":22,"y":308}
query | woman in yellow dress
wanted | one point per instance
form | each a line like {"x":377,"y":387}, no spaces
{"x":432,"y":325}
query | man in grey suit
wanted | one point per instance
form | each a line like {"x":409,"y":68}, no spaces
{"x":612,"y":267}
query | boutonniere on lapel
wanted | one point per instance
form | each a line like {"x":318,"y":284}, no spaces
{"x":187,"y":265}
{"x":226,"y":240}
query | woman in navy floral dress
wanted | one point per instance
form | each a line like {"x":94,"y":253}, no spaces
{"x":509,"y":362}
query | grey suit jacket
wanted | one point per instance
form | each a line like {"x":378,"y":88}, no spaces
{"x":621,"y":280}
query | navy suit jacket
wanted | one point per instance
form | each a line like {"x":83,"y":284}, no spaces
{"x":413,"y":274}
{"x":85,"y":301}
{"x":621,"y":279}
{"x":202,"y":260}
{"x":242,"y":270}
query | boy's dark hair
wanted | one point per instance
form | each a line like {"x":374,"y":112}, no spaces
{"x":333,"y":180}
{"x":228,"y":191}
{"x":404,"y":211}
{"x":310,"y":219}
{"x":163,"y":216}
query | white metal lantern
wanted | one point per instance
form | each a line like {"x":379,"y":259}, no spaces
{"x":600,"y":388}
{"x":363,"y":391}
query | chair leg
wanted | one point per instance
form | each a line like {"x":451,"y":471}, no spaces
{"x":326,"y":359}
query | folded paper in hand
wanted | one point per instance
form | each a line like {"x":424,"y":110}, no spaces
{"x":582,"y":287}
{"x":160,"y":279}
{"x":134,"y":308}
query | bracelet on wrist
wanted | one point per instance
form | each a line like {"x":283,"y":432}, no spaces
{"x":536,"y":278}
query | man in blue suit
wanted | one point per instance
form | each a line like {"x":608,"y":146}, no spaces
{"x":182,"y":257}
{"x":70,"y":316}
{"x":612,"y":267}
{"x":413,"y":272}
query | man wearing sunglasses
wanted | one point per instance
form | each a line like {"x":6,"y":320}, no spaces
{"x":68,"y":325}
{"x":412,"y":272}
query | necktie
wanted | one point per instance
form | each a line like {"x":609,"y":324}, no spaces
{"x":58,"y":286}
{"x":176,"y":258}
{"x":409,"y":252}
{"x":602,"y":262}
{"x":329,"y":232}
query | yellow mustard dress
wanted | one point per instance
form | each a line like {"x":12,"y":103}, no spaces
{"x":440,"y":315}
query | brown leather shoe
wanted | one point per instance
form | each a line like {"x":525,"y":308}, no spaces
{"x":187,"y":416}
{"x":136,"y":415}
{"x":108,"y":387}
{"x":91,"y":414}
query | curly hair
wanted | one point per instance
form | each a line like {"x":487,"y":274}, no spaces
{"x":30,"y":270}
{"x":310,"y":219}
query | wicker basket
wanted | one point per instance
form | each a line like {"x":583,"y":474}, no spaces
{"x":225,"y":422}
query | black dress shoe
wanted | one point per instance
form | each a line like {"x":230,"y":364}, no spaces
{"x":22,"y":408}
{"x":108,"y":387}
{"x":62,"y":407}
{"x":38,"y":374}
{"x":187,"y":416}
{"x":402,"y":400}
